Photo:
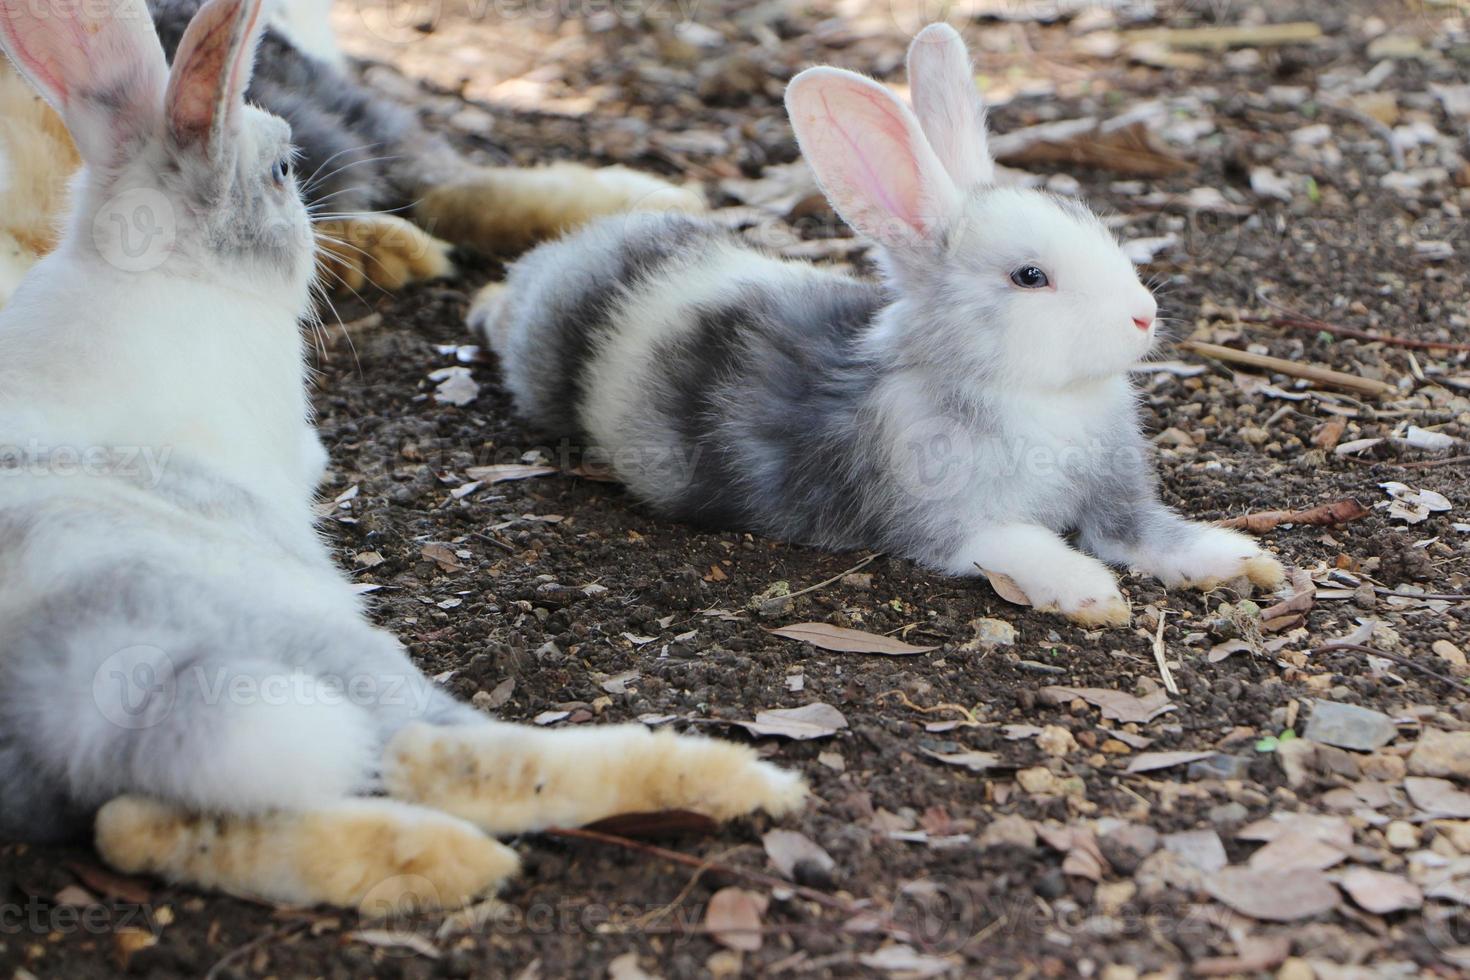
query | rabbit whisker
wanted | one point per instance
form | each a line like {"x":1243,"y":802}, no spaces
{"x":355,"y":163}
{"x":311,"y":181}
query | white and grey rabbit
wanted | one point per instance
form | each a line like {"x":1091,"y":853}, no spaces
{"x":967,"y":412}
{"x":181,"y":660}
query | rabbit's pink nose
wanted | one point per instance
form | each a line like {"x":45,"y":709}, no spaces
{"x":1143,"y":322}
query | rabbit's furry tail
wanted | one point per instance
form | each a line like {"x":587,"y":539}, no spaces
{"x":505,"y":210}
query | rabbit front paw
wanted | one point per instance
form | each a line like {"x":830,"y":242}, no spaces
{"x":382,"y":249}
{"x":1212,"y":557}
{"x":1084,"y":592}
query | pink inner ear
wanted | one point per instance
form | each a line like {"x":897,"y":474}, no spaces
{"x":863,"y":145}
{"x":889,"y":178}
{"x":42,"y":57}
{"x":214,"y":58}
{"x":195,"y":98}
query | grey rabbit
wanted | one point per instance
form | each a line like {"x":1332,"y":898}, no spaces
{"x":968,"y":411}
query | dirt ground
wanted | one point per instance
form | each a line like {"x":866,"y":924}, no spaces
{"x":1324,"y":176}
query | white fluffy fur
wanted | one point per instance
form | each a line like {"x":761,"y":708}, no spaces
{"x":800,"y":403}
{"x":180,"y":656}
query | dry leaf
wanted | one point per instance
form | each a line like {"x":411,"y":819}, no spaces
{"x":456,"y":386}
{"x":1220,"y":651}
{"x":1331,"y":830}
{"x":844,"y":640}
{"x":502,"y":693}
{"x":1200,"y":849}
{"x":1379,"y":892}
{"x":1304,"y":594}
{"x":505,"y":472}
{"x":1007,"y":589}
{"x":1294,"y":850}
{"x":443,"y":556}
{"x":734,"y":918}
{"x":787,"y":849}
{"x":1274,"y":896}
{"x":618,"y":683}
{"x":817,"y":720}
{"x":1083,"y":858}
{"x":111,"y":884}
{"x":1149,"y":761}
{"x":1116,"y":705}
{"x":1128,"y":150}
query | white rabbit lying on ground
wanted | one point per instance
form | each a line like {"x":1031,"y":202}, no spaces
{"x":967,"y":412}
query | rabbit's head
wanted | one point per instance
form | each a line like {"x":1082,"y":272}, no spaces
{"x":181,"y":176}
{"x":1017,"y":283}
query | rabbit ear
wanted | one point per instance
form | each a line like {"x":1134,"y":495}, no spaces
{"x":99,"y":65}
{"x":874,"y":163}
{"x":212,"y":68}
{"x":949,"y":107}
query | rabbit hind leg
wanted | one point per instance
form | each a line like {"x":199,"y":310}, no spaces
{"x":505,"y":210}
{"x":373,"y":854}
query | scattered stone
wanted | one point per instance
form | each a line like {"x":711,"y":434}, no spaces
{"x":1010,"y":830}
{"x":990,"y":633}
{"x":1440,"y":753}
{"x":1056,"y":740}
{"x":1379,"y":892}
{"x":1127,"y":845}
{"x":1230,"y":814}
{"x":1450,"y":654}
{"x":1401,"y":835}
{"x":1038,"y":781}
{"x":1164,"y":871}
{"x":1296,"y":968}
{"x":1383,"y":767}
{"x":1274,"y":896}
{"x":1199,"y":848}
{"x":1348,"y":726}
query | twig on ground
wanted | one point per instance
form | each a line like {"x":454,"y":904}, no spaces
{"x":1160,"y":658}
{"x":836,"y":578}
{"x":1396,"y":658}
{"x":240,"y":952}
{"x":1429,"y":464}
{"x":1296,"y":321}
{"x":705,"y":864}
{"x":1308,"y":372}
{"x":1323,"y":515}
{"x":970,"y":721}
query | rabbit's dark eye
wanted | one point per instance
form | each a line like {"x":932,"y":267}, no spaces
{"x":1030,"y":277}
{"x":281,"y":171}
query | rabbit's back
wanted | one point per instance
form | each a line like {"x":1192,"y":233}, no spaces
{"x":722,"y":385}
